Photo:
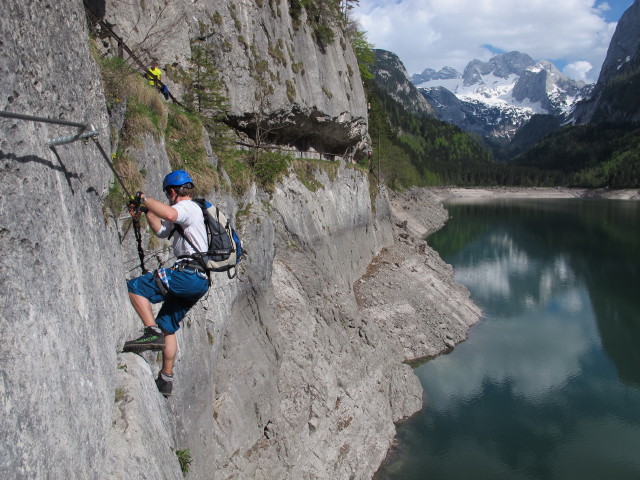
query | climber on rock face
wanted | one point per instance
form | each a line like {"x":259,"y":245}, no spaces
{"x":179,"y":287}
{"x":153,"y":74}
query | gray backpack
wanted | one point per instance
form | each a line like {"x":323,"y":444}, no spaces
{"x":224,"y":249}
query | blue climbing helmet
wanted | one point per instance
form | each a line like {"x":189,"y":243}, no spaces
{"x":177,"y":178}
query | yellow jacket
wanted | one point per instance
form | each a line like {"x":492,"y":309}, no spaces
{"x":155,"y":71}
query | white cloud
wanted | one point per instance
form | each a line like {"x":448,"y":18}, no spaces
{"x":539,"y":309}
{"x":551,"y":339}
{"x":604,"y":7}
{"x":437,"y":33}
{"x":578,"y":70}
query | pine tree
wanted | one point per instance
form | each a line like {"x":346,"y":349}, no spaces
{"x":204,"y":91}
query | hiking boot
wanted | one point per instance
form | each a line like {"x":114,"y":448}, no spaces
{"x":164,"y":386}
{"x":150,"y":340}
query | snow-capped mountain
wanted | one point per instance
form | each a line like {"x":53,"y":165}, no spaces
{"x":495,"y":98}
{"x":487,"y":119}
{"x":428,"y":74}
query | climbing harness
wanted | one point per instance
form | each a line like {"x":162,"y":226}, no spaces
{"x":87,"y":131}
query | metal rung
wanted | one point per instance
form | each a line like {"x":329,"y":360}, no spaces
{"x":72,"y":138}
{"x":22,"y":116}
{"x":81,"y":135}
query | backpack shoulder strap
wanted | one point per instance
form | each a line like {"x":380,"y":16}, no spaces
{"x":180,"y":231}
{"x":202,"y":203}
{"x":178,"y":228}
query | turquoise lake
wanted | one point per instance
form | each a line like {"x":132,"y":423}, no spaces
{"x":547,"y":386}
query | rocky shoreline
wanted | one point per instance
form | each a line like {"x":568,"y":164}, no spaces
{"x":449,"y":194}
{"x":390,"y":293}
{"x":409,"y":291}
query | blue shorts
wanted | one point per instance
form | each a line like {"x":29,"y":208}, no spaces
{"x":185,"y":287}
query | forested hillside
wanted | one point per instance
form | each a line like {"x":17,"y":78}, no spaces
{"x":598,"y":155}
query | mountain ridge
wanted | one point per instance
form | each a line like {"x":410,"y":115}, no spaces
{"x":615,"y":96}
{"x":428,"y":74}
{"x":497,"y":97}
{"x":391,"y":75}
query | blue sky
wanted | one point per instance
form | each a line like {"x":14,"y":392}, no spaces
{"x":574,"y":34}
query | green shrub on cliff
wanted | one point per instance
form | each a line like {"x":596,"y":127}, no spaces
{"x":265,"y":168}
{"x":184,"y":458}
{"x":271,"y":167}
{"x":364,"y":53}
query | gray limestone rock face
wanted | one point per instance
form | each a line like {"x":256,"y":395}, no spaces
{"x":296,"y":382}
{"x":153,"y":29}
{"x":614,"y":97}
{"x":278,"y":79}
{"x":141,"y":421}
{"x":391,"y":75}
{"x":61,"y":283}
{"x":280,"y":373}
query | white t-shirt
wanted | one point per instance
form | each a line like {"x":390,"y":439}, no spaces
{"x":192,"y":221}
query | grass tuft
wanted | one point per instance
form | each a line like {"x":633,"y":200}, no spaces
{"x":184,"y":457}
{"x":184,"y":137}
{"x":305,"y":172}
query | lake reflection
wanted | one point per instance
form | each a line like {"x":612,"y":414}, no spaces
{"x":547,"y":386}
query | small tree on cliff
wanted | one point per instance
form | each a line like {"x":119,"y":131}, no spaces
{"x":263,"y":132}
{"x":203,"y":91}
{"x":346,"y":6}
{"x":364,"y":53}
